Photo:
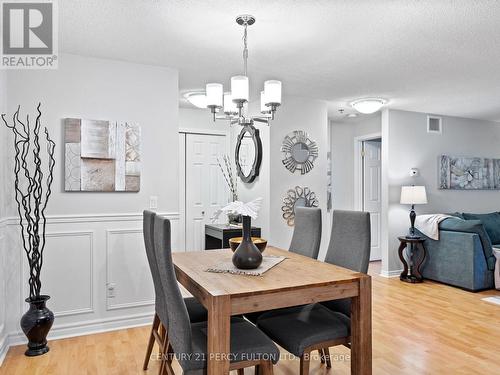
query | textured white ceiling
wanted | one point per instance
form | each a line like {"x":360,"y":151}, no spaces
{"x":436,"y":56}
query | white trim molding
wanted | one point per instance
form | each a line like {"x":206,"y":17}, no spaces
{"x":390,"y":274}
{"x":92,"y":218}
{"x":358,"y":167}
{"x":88,"y":327}
{"x":110,"y":306}
{"x":76,"y":233}
{"x":204,"y":131}
{"x":4,"y":343}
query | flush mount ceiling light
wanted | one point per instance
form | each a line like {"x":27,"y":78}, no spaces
{"x":229,"y":106}
{"x":352,"y":115}
{"x":197,"y":98}
{"x":368,"y":105}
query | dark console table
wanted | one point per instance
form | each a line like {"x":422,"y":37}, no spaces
{"x":217,"y":235}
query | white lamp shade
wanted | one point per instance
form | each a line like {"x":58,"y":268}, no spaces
{"x":214,"y":94}
{"x":239,"y":88}
{"x":368,"y":105}
{"x":272,"y":90}
{"x":229,"y":105}
{"x":413,"y":195}
{"x":263,"y":107}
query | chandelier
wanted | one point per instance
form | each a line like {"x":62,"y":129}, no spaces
{"x":229,"y":105}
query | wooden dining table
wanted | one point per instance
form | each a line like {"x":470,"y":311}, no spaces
{"x":298,"y":280}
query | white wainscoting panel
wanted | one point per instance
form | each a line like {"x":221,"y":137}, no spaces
{"x":67,"y":272}
{"x":83,"y":255}
{"x":3,"y":254}
{"x":127,"y":270}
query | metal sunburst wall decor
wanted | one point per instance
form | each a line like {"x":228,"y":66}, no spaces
{"x":299,"y":152}
{"x":298,"y":197}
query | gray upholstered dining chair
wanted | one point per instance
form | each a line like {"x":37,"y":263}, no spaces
{"x":306,"y":237}
{"x":350,"y":247}
{"x":188,"y":341}
{"x":196,"y":311}
{"x":303,"y":329}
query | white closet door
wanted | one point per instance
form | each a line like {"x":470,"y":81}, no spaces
{"x":371,"y":192}
{"x":205,"y":188}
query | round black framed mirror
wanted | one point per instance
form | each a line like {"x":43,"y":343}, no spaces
{"x":248,"y":153}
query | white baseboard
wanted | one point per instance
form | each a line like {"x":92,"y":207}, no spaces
{"x":390,"y":274}
{"x":4,"y":347}
{"x":79,"y":329}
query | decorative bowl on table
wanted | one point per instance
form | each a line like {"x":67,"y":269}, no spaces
{"x":259,"y":242}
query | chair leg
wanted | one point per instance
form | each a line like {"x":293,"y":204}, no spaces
{"x":326,"y":352}
{"x":154,"y":327}
{"x":266,"y":368}
{"x":321,"y":355}
{"x":304,"y":363}
{"x":166,"y":351}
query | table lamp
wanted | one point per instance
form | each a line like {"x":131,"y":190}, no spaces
{"x":413,"y":195}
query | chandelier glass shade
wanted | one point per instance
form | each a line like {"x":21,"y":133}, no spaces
{"x":368,"y":105}
{"x":229,"y":105}
{"x":197,"y":98}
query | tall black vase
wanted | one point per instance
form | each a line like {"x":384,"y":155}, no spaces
{"x":36,"y":324}
{"x":247,"y":256}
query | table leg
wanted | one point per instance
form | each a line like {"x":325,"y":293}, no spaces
{"x":219,"y":329}
{"x":404,"y":274}
{"x":361,"y":329}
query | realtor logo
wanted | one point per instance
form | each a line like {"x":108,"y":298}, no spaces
{"x":29,"y":35}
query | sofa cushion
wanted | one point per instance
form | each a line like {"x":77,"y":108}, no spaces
{"x":491,"y":223}
{"x":471,"y":226}
{"x":457,"y":214}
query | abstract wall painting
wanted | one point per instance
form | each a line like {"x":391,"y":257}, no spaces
{"x":469,"y":173}
{"x":102,"y":155}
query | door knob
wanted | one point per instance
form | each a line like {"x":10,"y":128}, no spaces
{"x":203,"y":213}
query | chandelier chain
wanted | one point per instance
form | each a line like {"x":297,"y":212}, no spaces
{"x":245,"y":50}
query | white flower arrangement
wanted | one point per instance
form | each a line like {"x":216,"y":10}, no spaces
{"x":239,"y":208}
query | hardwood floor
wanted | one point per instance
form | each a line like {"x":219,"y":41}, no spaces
{"x":426,"y":328}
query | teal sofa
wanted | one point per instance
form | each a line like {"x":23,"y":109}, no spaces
{"x":463,"y":255}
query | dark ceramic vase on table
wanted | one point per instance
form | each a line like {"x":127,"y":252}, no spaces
{"x":247,"y":256}
{"x":36,"y":323}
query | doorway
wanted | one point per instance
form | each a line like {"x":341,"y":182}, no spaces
{"x":201,"y":185}
{"x":368,"y":182}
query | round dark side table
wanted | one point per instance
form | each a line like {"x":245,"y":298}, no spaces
{"x":416,"y":258}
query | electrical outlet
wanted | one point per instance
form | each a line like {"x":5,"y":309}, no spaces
{"x":111,"y":290}
{"x":153,"y":202}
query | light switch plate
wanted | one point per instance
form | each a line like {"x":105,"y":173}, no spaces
{"x":153,"y":202}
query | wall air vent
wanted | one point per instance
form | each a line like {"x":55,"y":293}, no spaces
{"x":434,"y":125}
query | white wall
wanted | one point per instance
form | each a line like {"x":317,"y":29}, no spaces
{"x":342,"y":147}
{"x":311,"y":116}
{"x":104,"y":89}
{"x":95,"y":239}
{"x":406,"y":144}
{"x":3,"y":214}
{"x":274,"y":179}
{"x":197,"y":119}
{"x":260,"y":187}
